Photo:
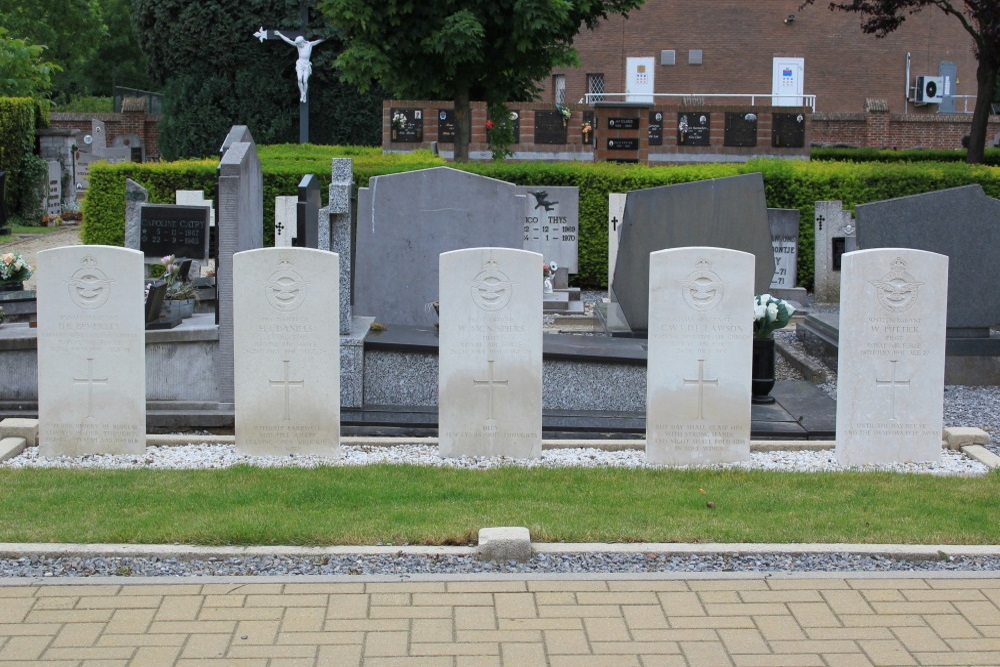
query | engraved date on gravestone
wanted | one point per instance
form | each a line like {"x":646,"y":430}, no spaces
{"x":693,"y":128}
{"x":174,"y":230}
{"x":655,"y":128}
{"x":741,"y":129}
{"x":623,"y":123}
{"x":788,"y":130}
{"x":623,"y":144}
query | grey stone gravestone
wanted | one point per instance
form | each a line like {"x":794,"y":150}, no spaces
{"x":52,"y":199}
{"x":552,"y":223}
{"x":340,"y":231}
{"x":616,"y":212}
{"x":890,"y":370}
{"x":406,"y":220}
{"x":307,"y":213}
{"x":962,"y":223}
{"x":240,"y":227}
{"x":135,"y":197}
{"x":784,"y":223}
{"x":285,"y":221}
{"x":722,"y":213}
{"x":91,"y":351}
{"x":834,"y":235}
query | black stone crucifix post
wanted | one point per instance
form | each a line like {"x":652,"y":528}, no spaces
{"x":303,"y":67}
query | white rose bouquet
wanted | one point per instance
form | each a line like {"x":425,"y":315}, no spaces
{"x":769,"y":315}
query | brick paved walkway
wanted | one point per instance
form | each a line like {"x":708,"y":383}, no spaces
{"x":753,"y":620}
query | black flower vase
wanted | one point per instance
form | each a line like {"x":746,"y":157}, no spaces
{"x":762,"y":374}
{"x":11,"y":287}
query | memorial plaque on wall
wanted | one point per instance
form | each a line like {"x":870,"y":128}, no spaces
{"x":741,"y":129}
{"x":655,"y":128}
{"x":549,"y":128}
{"x":407,"y":125}
{"x":623,"y":123}
{"x":788,"y":130}
{"x":165,"y":229}
{"x":694,"y":129}
{"x":623,"y":144}
{"x":515,"y":119}
{"x":446,"y":126}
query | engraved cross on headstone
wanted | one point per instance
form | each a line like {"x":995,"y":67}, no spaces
{"x":820,"y":220}
{"x":287,"y":384}
{"x":614,"y":223}
{"x":90,"y":381}
{"x":280,"y":227}
{"x":701,"y":382}
{"x":492,"y":383}
{"x":892,"y":383}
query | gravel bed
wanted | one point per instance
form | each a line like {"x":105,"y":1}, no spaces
{"x":215,"y":456}
{"x":407,"y":564}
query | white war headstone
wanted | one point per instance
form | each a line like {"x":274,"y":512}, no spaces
{"x":285,"y":221}
{"x":700,"y":352}
{"x":91,"y":351}
{"x":616,"y":213}
{"x":490,"y":363}
{"x":890,"y":368}
{"x":287,"y":366}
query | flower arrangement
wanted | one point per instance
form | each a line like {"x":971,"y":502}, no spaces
{"x":170,"y":270}
{"x":549,"y":269}
{"x":769,"y":315}
{"x":398,"y":120}
{"x":51,"y":221}
{"x":13,"y":268}
{"x":586,"y":127}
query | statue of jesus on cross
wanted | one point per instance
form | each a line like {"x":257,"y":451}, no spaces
{"x":303,"y":68}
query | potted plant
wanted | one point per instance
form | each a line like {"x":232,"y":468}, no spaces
{"x":180,"y":296}
{"x":13,"y":271}
{"x":769,"y":315}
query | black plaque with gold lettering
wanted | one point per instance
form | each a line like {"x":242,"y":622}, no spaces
{"x":550,"y":128}
{"x":694,"y":128}
{"x":165,"y":229}
{"x":406,"y":125}
{"x":623,"y":144}
{"x":655,"y":128}
{"x":446,"y":126}
{"x":788,"y":130}
{"x":741,"y":129}
{"x":623,"y":123}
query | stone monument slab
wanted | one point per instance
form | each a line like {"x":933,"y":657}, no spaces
{"x":91,"y":351}
{"x":406,"y":220}
{"x":287,"y":365}
{"x":834,"y":235}
{"x":135,"y":197}
{"x":700,"y":352}
{"x":490,"y":368}
{"x":890,"y":368}
{"x":285,"y":224}
{"x":784,"y":224}
{"x":552,"y":223}
{"x":616,"y":212}
{"x":721,"y":213}
{"x":962,"y":223}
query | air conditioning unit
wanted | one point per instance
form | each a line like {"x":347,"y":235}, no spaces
{"x":929,"y":90}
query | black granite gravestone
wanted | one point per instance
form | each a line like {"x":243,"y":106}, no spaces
{"x":655,"y":128}
{"x":307,"y":213}
{"x":694,"y":128}
{"x":722,"y":213}
{"x":741,"y":129}
{"x":156,"y":291}
{"x":550,"y":128}
{"x":446,"y":126}
{"x":166,"y":229}
{"x":406,"y":124}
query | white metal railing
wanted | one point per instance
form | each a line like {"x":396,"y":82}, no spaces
{"x":965,"y":102}
{"x":808,"y":100}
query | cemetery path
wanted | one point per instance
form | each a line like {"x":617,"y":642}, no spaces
{"x":751,"y":619}
{"x":30,"y":246}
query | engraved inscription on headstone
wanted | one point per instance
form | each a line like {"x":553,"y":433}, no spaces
{"x":784,"y":225}
{"x":446,"y":126}
{"x":490,"y":382}
{"x":616,"y":123}
{"x":655,"y":128}
{"x":890,"y":388}
{"x":698,"y":369}
{"x":741,"y":129}
{"x":551,"y":223}
{"x":623,"y":144}
{"x":91,"y":351}
{"x":406,"y":124}
{"x":834,"y":233}
{"x":167,"y":229}
{"x":694,"y":128}
{"x":287,"y":370}
{"x":550,"y":127}
{"x":788,"y":130}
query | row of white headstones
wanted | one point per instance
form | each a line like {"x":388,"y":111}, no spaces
{"x":91,"y":354}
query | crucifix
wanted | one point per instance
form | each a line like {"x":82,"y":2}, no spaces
{"x":303,"y":66}
{"x":90,"y":381}
{"x":492,"y":384}
{"x":287,"y":384}
{"x":892,"y":383}
{"x":701,"y":382}
{"x":614,"y":224}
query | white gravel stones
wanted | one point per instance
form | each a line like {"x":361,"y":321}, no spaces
{"x":205,"y":456}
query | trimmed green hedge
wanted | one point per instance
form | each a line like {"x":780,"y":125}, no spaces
{"x":787,"y":184}
{"x":19,"y":117}
{"x":992,"y":157}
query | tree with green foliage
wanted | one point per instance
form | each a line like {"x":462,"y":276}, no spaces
{"x":214,"y":74}
{"x":118,"y":60}
{"x":23,"y":70}
{"x":460,"y":50}
{"x":979,"y":18}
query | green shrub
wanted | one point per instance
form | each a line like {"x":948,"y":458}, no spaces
{"x":787,"y":184}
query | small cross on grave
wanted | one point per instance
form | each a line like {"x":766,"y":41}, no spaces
{"x":614,"y":224}
{"x":280,"y":227}
{"x":701,"y":382}
{"x":492,"y":383}
{"x":287,"y":384}
{"x":892,"y":383}
{"x":90,"y":381}
{"x":820,"y":220}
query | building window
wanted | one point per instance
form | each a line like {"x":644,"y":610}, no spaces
{"x":559,"y":88}
{"x":595,"y":87}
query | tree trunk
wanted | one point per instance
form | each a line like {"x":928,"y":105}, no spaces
{"x":986,"y":79}
{"x":463,"y":125}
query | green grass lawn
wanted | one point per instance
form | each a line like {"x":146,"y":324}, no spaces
{"x":422,"y":505}
{"x":25,"y":229}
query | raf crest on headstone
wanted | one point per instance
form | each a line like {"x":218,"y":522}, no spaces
{"x":491,"y":288}
{"x":897,"y":290}
{"x":89,"y":287}
{"x":285,"y":288}
{"x":703,"y":288}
